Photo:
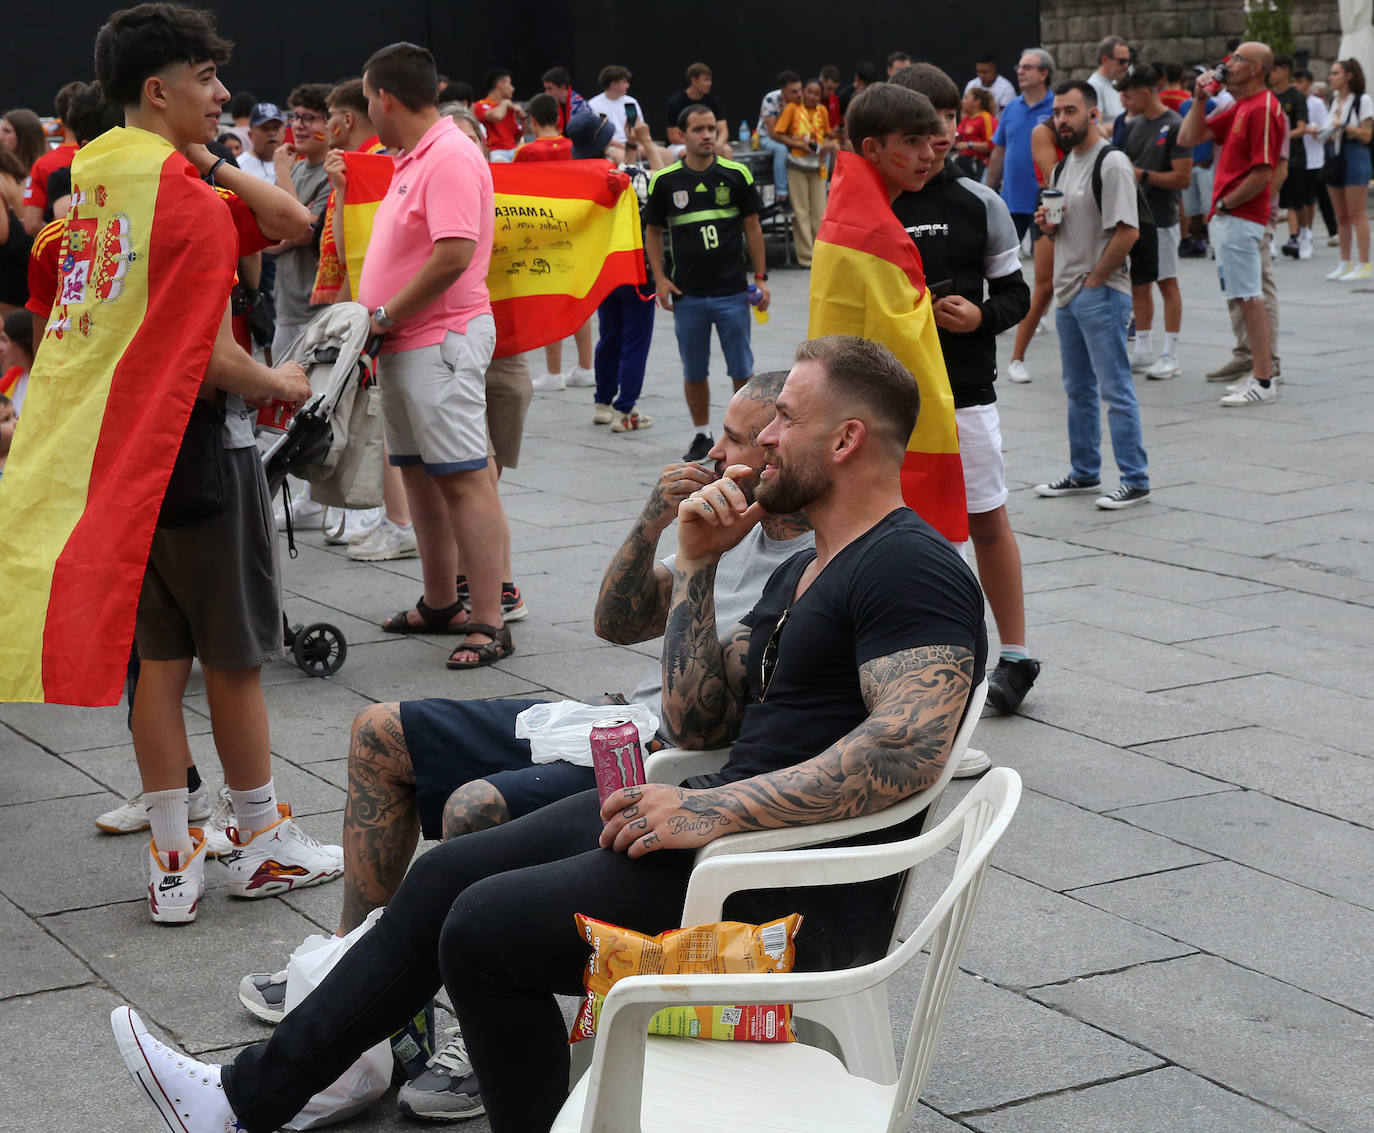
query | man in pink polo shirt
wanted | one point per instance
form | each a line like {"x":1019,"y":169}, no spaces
{"x":425,"y":281}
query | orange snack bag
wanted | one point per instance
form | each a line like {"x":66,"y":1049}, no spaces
{"x":723,"y":947}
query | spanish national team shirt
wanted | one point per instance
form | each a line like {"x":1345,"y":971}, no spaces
{"x":702,"y":215}
{"x":36,"y":191}
{"x":502,"y":133}
{"x":440,"y":189}
{"x":1250,"y":132}
{"x":1019,"y":185}
{"x":545,"y":149}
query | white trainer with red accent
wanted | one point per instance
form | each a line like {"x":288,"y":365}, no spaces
{"x":176,"y":881}
{"x":279,"y":859}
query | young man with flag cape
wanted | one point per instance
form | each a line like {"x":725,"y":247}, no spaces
{"x":139,"y":332}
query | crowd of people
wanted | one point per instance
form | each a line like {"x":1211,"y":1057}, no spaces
{"x":1103,"y":181}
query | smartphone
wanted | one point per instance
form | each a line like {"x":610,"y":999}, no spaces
{"x":631,"y":115}
{"x":943,"y":289}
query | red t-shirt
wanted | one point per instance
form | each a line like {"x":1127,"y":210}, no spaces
{"x":832,"y":106}
{"x":545,"y":149}
{"x":1173,"y":98}
{"x":502,"y":133}
{"x":977,"y":128}
{"x":1249,"y":132}
{"x":36,"y":191}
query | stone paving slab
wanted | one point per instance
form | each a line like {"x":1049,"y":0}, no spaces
{"x":1305,"y":1057}
{"x":28,"y":773}
{"x":34,"y":960}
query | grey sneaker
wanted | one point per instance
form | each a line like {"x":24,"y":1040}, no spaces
{"x":447,"y":1090}
{"x":263,"y":994}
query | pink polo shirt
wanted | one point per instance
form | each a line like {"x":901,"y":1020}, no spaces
{"x":441,"y":188}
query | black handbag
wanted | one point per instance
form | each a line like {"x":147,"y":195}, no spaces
{"x":198,"y":487}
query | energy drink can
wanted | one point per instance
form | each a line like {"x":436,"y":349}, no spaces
{"x":616,"y":756}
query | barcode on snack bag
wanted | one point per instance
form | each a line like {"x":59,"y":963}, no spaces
{"x":773,"y":939}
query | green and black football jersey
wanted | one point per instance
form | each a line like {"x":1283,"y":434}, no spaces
{"x":702,"y":215}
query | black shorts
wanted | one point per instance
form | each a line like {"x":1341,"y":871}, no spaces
{"x":453,"y":742}
{"x":1297,"y":191}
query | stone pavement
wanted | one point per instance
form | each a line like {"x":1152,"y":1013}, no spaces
{"x":1179,"y":928}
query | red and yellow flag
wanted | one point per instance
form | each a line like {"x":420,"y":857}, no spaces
{"x":147,"y":261}
{"x":567,"y":234}
{"x":867,"y":280}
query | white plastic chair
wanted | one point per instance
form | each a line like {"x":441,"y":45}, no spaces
{"x":641,"y":1082}
{"x":855,"y":1026}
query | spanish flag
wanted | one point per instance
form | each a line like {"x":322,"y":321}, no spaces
{"x":867,"y":280}
{"x":567,"y":233}
{"x":147,"y":261}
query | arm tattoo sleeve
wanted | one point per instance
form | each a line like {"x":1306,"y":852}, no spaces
{"x":703,"y":677}
{"x":633,"y":603}
{"x":915,"y":698}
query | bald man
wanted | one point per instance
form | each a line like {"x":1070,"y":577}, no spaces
{"x":1251,"y":135}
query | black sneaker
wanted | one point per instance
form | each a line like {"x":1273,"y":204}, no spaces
{"x":1068,"y":486}
{"x":447,"y":1090}
{"x":701,"y":445}
{"x":1123,"y":497}
{"x":513,"y":608}
{"x":1291,"y":248}
{"x":1009,"y":683}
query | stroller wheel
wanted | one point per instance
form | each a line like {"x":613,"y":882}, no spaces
{"x":320,"y":650}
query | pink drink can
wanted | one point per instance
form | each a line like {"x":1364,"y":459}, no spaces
{"x":616,"y":755}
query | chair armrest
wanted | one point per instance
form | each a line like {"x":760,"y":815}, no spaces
{"x":674,"y":764}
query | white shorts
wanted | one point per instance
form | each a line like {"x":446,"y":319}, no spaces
{"x":434,"y":401}
{"x":1168,"y":251}
{"x":980,"y":452}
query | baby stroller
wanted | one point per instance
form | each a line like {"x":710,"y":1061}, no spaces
{"x":334,"y":441}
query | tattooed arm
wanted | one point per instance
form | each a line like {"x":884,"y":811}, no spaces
{"x":915,"y":699}
{"x":633,"y":603}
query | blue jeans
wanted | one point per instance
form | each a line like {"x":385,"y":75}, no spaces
{"x":622,"y":350}
{"x":1092,"y":352}
{"x":693,"y":316}
{"x":779,"y":152}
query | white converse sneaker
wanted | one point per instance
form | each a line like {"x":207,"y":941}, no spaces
{"x":581,"y":378}
{"x":186,"y":1092}
{"x":1017,"y":372}
{"x":547,"y":381}
{"x":217,"y":842}
{"x":281,"y":858}
{"x":176,"y":881}
{"x":131,"y":816}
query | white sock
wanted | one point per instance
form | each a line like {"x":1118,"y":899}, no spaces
{"x":1142,"y":343}
{"x":1171,"y":344}
{"x":169,"y":815}
{"x":1304,"y":234}
{"x":701,"y":431}
{"x":256,"y":810}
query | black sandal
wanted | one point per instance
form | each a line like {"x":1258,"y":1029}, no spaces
{"x":435,"y":621}
{"x":488,"y":652}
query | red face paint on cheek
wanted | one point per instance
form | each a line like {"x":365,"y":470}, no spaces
{"x":318,"y":135}
{"x":898,"y":159}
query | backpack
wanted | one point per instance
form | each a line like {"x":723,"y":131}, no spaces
{"x":1144,"y":255}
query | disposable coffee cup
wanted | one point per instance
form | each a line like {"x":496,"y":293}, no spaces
{"x":1053,"y":200}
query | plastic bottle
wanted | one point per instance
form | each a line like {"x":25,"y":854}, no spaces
{"x":744,"y":131}
{"x":755,"y":297}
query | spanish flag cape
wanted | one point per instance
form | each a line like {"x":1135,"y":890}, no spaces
{"x":147,"y":261}
{"x":567,"y":234}
{"x":867,"y":280}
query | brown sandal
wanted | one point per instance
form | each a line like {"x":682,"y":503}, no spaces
{"x":435,"y":621}
{"x":488,"y":652}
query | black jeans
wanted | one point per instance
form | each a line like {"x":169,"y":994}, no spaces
{"x":490,"y":916}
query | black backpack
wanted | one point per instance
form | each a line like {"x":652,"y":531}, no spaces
{"x":1144,"y":255}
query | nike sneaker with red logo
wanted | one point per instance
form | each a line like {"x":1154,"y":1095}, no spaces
{"x":276,"y":860}
{"x":176,"y":881}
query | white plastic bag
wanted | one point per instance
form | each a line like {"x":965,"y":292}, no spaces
{"x":368,"y":1078}
{"x":563,"y":729}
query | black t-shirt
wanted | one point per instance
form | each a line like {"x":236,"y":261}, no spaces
{"x":1295,"y":106}
{"x":898,"y":586}
{"x":702,"y":215}
{"x":673,"y":108}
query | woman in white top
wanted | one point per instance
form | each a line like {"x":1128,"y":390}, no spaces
{"x":1348,"y":131}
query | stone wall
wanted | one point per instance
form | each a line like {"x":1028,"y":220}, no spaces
{"x":1189,"y":31}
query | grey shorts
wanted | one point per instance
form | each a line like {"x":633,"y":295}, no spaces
{"x":509,"y":391}
{"x":434,"y":401}
{"x":211,"y":589}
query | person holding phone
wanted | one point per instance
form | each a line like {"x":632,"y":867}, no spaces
{"x":620,"y":108}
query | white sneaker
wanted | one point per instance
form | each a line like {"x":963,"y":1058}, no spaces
{"x":185,"y":1091}
{"x":377,"y":516}
{"x":344,"y":525}
{"x":972,"y":764}
{"x":176,"y":881}
{"x":303,"y":509}
{"x":581,"y":378}
{"x":217,"y":842}
{"x":1043,"y":325}
{"x":1357,"y":273}
{"x":1304,"y":247}
{"x":1017,"y":372}
{"x":1140,"y":363}
{"x":1250,"y":393}
{"x":1340,"y":269}
{"x":1166,"y":367}
{"x":547,"y":381}
{"x":131,"y":816}
{"x":386,"y":541}
{"x":1277,"y":380}
{"x":279,"y":859}
{"x":603,"y":414}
